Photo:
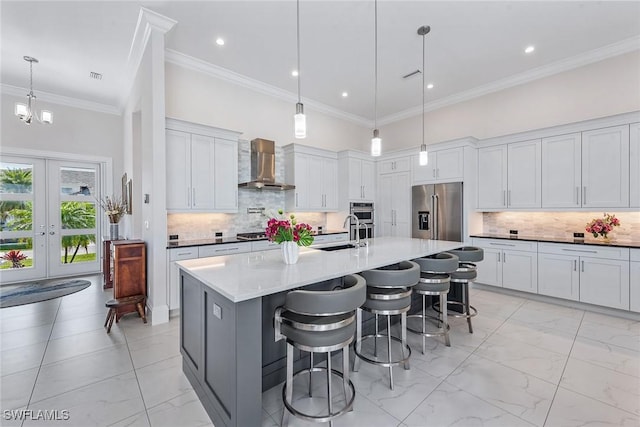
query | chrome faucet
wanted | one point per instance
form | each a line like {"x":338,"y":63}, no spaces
{"x":346,"y":221}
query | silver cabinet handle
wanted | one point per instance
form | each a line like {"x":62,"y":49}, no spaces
{"x":580,"y":250}
{"x":434,"y":173}
{"x":183,"y":253}
{"x":582,"y":266}
{"x":504,"y":197}
{"x":578,"y":196}
{"x":502,"y":244}
{"x":504,"y":257}
{"x":509,"y":197}
{"x":189,"y":196}
{"x":575,"y":265}
{"x":498,"y":256}
{"x":438,"y":173}
{"x":584,"y":195}
{"x":296,"y":200}
{"x":194,"y":196}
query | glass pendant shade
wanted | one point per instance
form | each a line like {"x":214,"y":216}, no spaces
{"x":300,"y":122}
{"x":46,"y":117}
{"x":376,"y":144}
{"x":26,"y":112}
{"x":424,"y":155}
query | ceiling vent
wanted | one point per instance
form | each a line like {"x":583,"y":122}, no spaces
{"x":95,"y":76}
{"x":411,"y":74}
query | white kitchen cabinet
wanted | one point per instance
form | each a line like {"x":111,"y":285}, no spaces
{"x":202,"y":168}
{"x":224,"y":249}
{"x":605,"y":167}
{"x":509,"y":264}
{"x":173,"y":272}
{"x":523,"y":175}
{"x":360,"y":176}
{"x":394,"y":208}
{"x":314,"y":172}
{"x":492,"y":177}
{"x":634,"y":165}
{"x":634,"y":280}
{"x":444,"y":166}
{"x":400,"y":164}
{"x":562,"y":171}
{"x":602,"y":273}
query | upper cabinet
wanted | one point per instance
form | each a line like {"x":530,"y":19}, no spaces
{"x":588,"y":169}
{"x":444,"y":166}
{"x":400,"y":164}
{"x":202,"y":168}
{"x":314,"y":172}
{"x":634,"y":165}
{"x":359,"y":175}
{"x":509,"y":176}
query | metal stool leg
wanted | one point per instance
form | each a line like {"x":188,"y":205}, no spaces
{"x":358,"y":344}
{"x":310,"y":371}
{"x":403,"y":332}
{"x":345,"y":374}
{"x":288,"y":385}
{"x":389,"y":350}
{"x":329,"y":395}
{"x":465,"y":295}
{"x":444,"y":320}
{"x":375,"y":339}
{"x":424,"y":323}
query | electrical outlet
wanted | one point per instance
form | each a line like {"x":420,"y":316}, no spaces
{"x":217,"y":311}
{"x":578,"y":235}
{"x":173,"y":237}
{"x":218,"y":234}
{"x":513,"y":232}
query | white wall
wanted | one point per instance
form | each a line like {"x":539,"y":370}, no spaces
{"x":196,"y":97}
{"x":76,"y":131}
{"x":597,"y":90}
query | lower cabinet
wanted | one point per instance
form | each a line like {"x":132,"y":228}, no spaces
{"x":508,"y":264}
{"x":634,"y":280}
{"x":591,"y":274}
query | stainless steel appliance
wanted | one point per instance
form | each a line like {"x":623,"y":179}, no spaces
{"x":257,"y":235}
{"x":263,"y":167}
{"x":364,"y":212}
{"x":437,"y":211}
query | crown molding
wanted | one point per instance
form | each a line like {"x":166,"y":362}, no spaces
{"x":62,"y":100}
{"x":227,"y":75}
{"x":609,"y":51}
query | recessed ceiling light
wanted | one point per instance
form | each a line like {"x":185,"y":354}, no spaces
{"x":529,"y":49}
{"x":345,"y":94}
{"x":220,"y":41}
{"x":294,"y":73}
{"x":430,"y":86}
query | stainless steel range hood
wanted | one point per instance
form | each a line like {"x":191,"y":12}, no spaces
{"x":263,"y":167}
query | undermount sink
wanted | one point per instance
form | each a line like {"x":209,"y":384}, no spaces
{"x":337,"y":248}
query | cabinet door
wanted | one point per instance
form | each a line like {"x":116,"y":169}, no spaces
{"x":368,"y":179}
{"x":424,"y":173}
{"x":604,"y":282}
{"x":634,"y":286}
{"x":226,"y":175}
{"x":561,"y":171}
{"x":330,"y":184}
{"x":558,"y":276}
{"x":202,"y":172}
{"x":316,"y":182}
{"x":178,"y":170}
{"x":490,"y":268}
{"x":401,"y":203}
{"x":523,"y":178}
{"x":384,"y":215}
{"x":634,"y":162}
{"x":605,"y":167}
{"x":449,"y":164}
{"x":520,"y":271}
{"x":492,"y":177}
{"x":355,"y":179}
{"x":301,"y":180}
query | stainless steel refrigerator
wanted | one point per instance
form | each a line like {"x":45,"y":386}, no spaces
{"x":437,"y":211}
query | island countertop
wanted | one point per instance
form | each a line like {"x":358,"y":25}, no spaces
{"x":242,"y":277}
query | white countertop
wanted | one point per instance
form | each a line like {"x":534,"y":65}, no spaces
{"x":242,"y":277}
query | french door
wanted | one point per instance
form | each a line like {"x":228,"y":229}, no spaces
{"x":49,"y":218}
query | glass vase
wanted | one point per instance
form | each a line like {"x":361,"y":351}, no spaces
{"x":113,"y":231}
{"x":290,"y":252}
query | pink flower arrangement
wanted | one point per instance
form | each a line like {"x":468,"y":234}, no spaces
{"x":284,"y":229}
{"x":602,"y":226}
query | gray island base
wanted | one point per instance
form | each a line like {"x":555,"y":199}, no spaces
{"x":226,"y":323}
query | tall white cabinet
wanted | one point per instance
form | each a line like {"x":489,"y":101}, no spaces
{"x":358,"y":171}
{"x":202,"y":168}
{"x":634,"y":166}
{"x":394,"y":208}
{"x":314,"y":172}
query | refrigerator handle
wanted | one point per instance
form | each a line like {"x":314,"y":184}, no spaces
{"x":436,"y":217}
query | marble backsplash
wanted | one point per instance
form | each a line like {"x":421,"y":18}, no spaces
{"x":558,"y":224}
{"x":189,"y":226}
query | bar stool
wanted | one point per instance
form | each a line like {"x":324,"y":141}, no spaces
{"x":320,"y":321}
{"x":388,"y":294}
{"x":434,"y":280}
{"x":466,"y":272}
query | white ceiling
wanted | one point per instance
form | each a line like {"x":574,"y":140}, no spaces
{"x":473,"y":46}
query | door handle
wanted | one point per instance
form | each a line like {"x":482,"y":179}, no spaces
{"x":42,"y":233}
{"x":51,"y":233}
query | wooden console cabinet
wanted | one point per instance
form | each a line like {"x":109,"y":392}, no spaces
{"x":129,"y":270}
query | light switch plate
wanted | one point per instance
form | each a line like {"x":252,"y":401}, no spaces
{"x":217,"y":311}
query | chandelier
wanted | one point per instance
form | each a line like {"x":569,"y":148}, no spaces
{"x":26,"y":112}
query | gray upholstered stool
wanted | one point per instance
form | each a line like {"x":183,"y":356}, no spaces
{"x":388,"y":294}
{"x":434,"y":280}
{"x":466,"y":272}
{"x":320,"y":321}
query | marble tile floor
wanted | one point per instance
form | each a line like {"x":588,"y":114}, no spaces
{"x":528,"y":363}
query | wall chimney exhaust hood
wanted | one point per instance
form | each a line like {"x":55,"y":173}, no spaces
{"x":263,"y":167}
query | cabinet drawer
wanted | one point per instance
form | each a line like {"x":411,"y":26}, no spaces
{"x":329,"y":238}
{"x":634,"y":255}
{"x":224,"y":249}
{"x":264,"y":245}
{"x":505,"y":244}
{"x":585,"y":250}
{"x":184,"y":253}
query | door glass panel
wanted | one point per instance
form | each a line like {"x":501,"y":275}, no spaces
{"x":16,"y":215}
{"x":78,"y":248}
{"x":16,"y":253}
{"x":16,"y":178}
{"x":77,"y":215}
{"x":77,"y":181}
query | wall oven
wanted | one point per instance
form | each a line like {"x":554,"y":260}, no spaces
{"x":364,"y":213}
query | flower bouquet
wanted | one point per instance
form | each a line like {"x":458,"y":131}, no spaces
{"x":114,"y":207}
{"x":289,"y":233}
{"x":602,"y":226}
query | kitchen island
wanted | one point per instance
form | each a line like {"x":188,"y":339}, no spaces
{"x":226,"y":324}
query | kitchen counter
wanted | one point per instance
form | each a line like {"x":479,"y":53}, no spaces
{"x":173,"y":244}
{"x":227,"y":340}
{"x":570,"y":240}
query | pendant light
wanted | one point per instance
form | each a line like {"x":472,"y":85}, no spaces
{"x":299,"y":119}
{"x":424,"y":154}
{"x":26,"y":112}
{"x":376,"y":141}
